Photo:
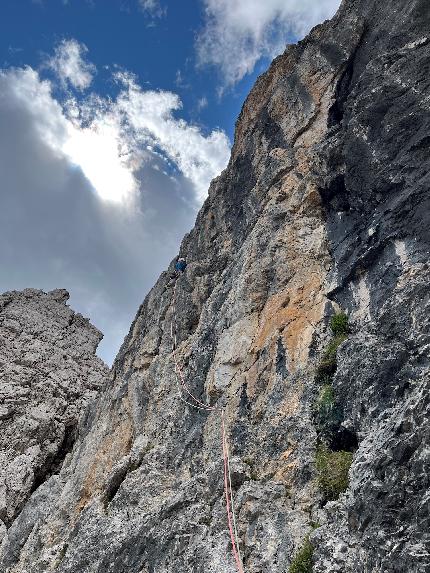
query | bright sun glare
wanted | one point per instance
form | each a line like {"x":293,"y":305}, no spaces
{"x":96,"y":150}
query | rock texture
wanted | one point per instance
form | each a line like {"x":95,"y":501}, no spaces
{"x":324,"y":205}
{"x":48,"y":374}
{"x":378,"y":223}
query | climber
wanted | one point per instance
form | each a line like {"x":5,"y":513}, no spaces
{"x":180,"y":266}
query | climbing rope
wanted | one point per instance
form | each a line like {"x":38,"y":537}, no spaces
{"x":198,"y":404}
{"x":232,"y":504}
{"x":229,"y":497}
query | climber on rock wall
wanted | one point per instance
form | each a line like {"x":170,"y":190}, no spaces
{"x":180,"y":266}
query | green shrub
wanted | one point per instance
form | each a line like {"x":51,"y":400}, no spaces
{"x":331,"y":350}
{"x":327,"y":414}
{"x":325,"y":401}
{"x":332,"y":469}
{"x":302,"y":561}
{"x":339,"y":324}
{"x":328,"y":364}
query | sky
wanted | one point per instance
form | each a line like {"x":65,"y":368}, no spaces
{"x":114,"y":117}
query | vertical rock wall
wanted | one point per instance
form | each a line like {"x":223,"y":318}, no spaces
{"x":323,"y":206}
{"x":377,"y":202}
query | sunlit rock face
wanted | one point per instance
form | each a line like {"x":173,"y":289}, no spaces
{"x":323,"y":206}
{"x":48,"y":375}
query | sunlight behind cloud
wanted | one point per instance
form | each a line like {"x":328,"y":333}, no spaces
{"x":94,"y":147}
{"x":95,"y":150}
{"x":109,"y":139}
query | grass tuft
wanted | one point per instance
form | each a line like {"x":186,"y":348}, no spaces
{"x":327,"y":414}
{"x":332,"y":468}
{"x":328,"y":364}
{"x":302,"y":561}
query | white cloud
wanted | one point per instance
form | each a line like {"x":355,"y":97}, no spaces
{"x":97,"y":192}
{"x":69,"y":64}
{"x":238,"y":33}
{"x":150,"y":115}
{"x":153,"y":8}
{"x":202,"y":103}
{"x":56,"y":232}
{"x":68,"y":169}
{"x":97,"y":151}
{"x":180,"y":81}
{"x":95,"y":147}
{"x":110,"y":139}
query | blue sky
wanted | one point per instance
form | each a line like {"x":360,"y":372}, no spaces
{"x":114,"y":117}
{"x":159,"y":50}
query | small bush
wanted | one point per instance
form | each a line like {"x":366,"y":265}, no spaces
{"x":331,"y":350}
{"x":339,"y":324}
{"x":325,"y":401}
{"x":302,"y":562}
{"x":332,"y":469}
{"x":328,"y":364}
{"x":327,"y":415}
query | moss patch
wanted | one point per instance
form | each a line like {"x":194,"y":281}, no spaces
{"x":328,"y":364}
{"x":325,"y":401}
{"x":302,"y":561}
{"x":334,"y":452}
{"x":332,"y":468}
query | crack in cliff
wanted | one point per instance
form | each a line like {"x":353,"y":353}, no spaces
{"x":343,"y":85}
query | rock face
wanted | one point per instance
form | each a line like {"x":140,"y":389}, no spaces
{"x":377,"y":203}
{"x":323,"y":206}
{"x":48,"y":374}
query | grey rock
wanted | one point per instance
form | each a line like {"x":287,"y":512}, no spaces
{"x":377,"y":204}
{"x":48,"y":374}
{"x":324,"y":205}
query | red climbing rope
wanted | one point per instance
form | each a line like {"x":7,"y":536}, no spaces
{"x":227,"y":483}
{"x":231,"y":519}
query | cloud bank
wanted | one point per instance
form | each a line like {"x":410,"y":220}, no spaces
{"x":108,"y":139}
{"x":96,"y":192}
{"x":238,"y":33}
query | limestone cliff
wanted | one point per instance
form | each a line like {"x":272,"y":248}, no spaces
{"x":48,"y":375}
{"x":323,"y":212}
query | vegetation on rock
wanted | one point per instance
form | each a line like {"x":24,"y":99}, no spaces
{"x":332,"y":458}
{"x":332,"y":468}
{"x":302,"y":562}
{"x":339,"y":324}
{"x":327,"y":414}
{"x":328,"y":364}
